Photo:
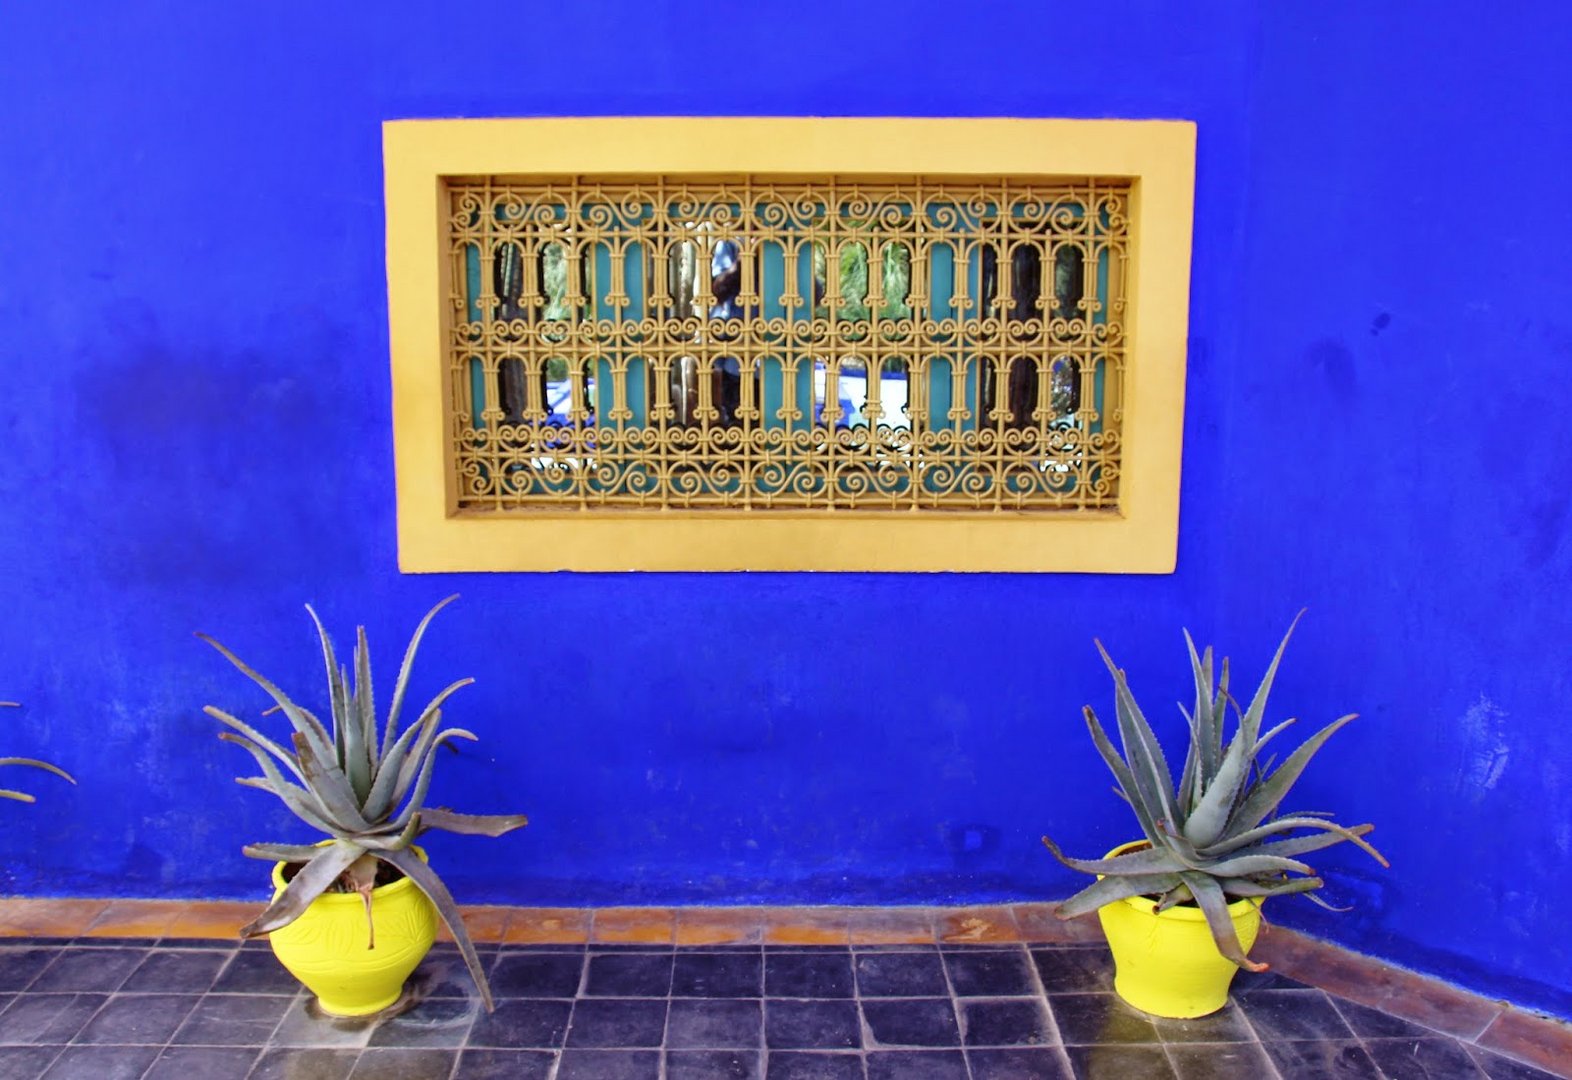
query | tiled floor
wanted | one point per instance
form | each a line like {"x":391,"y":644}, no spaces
{"x":189,"y":1009}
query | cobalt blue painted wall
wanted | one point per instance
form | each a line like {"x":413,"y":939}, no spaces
{"x":195,"y":416}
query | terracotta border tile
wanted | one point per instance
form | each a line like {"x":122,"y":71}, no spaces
{"x":137,"y":918}
{"x":486,"y":923}
{"x":1039,"y":925}
{"x":1435,"y":1004}
{"x":217,"y":919}
{"x":978,"y":924}
{"x":891,"y":926}
{"x":45,"y":917}
{"x":720,"y":926}
{"x":547,"y":926}
{"x":633,"y":926}
{"x":1537,"y":1039}
{"x":807,"y":926}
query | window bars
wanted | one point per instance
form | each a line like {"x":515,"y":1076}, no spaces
{"x":764,"y":344}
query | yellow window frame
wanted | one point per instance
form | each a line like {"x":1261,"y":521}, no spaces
{"x":1141,"y":536}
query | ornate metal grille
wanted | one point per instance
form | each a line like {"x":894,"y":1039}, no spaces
{"x":759,"y":343}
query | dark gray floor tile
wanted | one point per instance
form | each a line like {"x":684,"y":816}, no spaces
{"x":529,"y":974}
{"x":19,"y":967}
{"x":443,"y":974}
{"x":27,"y":1061}
{"x":1503,"y":1068}
{"x":1007,"y":1022}
{"x":811,"y":1025}
{"x":713,"y":1064}
{"x":1019,"y":1063}
{"x":232,"y":1020}
{"x":1435,"y":1056}
{"x":305,"y":1024}
{"x":917,"y":1065}
{"x":617,"y":1023}
{"x":522,"y":1023}
{"x":1376,"y":1024}
{"x":1248,"y":982}
{"x":807,"y":1065}
{"x":436,"y":1023}
{"x":901,"y":974}
{"x":304,"y":1063}
{"x":1327,"y":1059}
{"x":1220,"y":1061}
{"x":48,"y":1018}
{"x":138,"y":1019}
{"x":635,"y":975}
{"x":1227,"y":1025}
{"x":714,"y":1024}
{"x":1074,"y":971}
{"x":1119,"y":1063}
{"x":1085,"y":1019}
{"x":403,"y":1063}
{"x":102,"y":1063}
{"x":912,"y":1022}
{"x":206,"y":944}
{"x":1282,"y":1015}
{"x":718,"y":975}
{"x":175,"y":972}
{"x":252,"y":971}
{"x":609,"y":1065}
{"x":203,"y":1063}
{"x":87,"y":971}
{"x":505,"y":1065}
{"x":990,"y":972}
{"x":823,"y":973}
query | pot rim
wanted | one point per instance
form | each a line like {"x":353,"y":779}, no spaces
{"x":1236,"y":910}
{"x":390,"y":889}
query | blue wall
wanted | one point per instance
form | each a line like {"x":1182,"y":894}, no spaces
{"x":196,"y":426}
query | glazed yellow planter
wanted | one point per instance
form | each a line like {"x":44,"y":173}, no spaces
{"x":1166,"y":963}
{"x":326,"y":948}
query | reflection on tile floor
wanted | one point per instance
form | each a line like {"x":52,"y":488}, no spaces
{"x":188,"y":1009}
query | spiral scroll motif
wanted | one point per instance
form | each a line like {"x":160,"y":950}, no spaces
{"x":773,"y":343}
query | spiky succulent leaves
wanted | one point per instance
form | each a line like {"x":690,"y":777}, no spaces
{"x":1122,"y":776}
{"x":428,"y":882}
{"x":302,"y":801}
{"x":1271,"y":791}
{"x":332,"y":788}
{"x":1154,"y":784}
{"x":32,"y":763}
{"x":401,"y":762}
{"x":303,"y":722}
{"x":313,"y":879}
{"x":471,"y":824}
{"x":1209,"y":898}
{"x":390,"y":732}
{"x":1332,"y":833}
{"x":255,"y":737}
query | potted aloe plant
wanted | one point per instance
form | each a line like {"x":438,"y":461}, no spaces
{"x":354,"y":915}
{"x":1181,"y":907}
{"x":22,"y":796}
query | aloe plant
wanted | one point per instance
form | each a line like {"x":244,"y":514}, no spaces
{"x":361,"y":782}
{"x":22,"y":796}
{"x":1218,"y":835}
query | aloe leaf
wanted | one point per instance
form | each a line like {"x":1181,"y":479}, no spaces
{"x":337,"y":692}
{"x":19,"y":796}
{"x":1154,"y":783}
{"x":365,"y":697}
{"x":303,"y":723}
{"x":1214,"y":905}
{"x":331,"y":786}
{"x":36,"y":764}
{"x":284,"y":853}
{"x":386,"y":786}
{"x":429,"y":883}
{"x":1244,"y":887}
{"x":417,"y":796}
{"x":471,"y":824}
{"x":1113,"y":889}
{"x":1332,"y":833}
{"x":302,"y":802}
{"x":1192,"y":762}
{"x":1204,"y":729}
{"x":1210,"y":818}
{"x":1271,"y":791}
{"x":1149,"y":861}
{"x":1313,"y":898}
{"x":1173,"y":897}
{"x":284,"y":756}
{"x":391,"y":841}
{"x":311,"y":882}
{"x":399,"y":687}
{"x":1252,"y":716}
{"x":1121,"y":773}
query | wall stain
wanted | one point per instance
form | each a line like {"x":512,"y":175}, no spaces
{"x":1484,"y":746}
{"x":1332,"y":359}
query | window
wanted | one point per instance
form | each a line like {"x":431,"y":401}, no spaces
{"x":818,"y":344}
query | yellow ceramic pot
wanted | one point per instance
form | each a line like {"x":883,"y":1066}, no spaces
{"x":326,"y":948}
{"x":1166,"y":963}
